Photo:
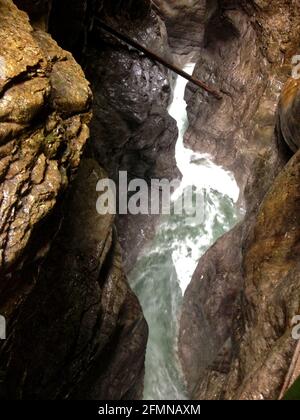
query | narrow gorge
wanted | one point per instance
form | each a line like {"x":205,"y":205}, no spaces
{"x":149,"y":306}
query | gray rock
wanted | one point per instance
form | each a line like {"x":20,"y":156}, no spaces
{"x":288,"y":114}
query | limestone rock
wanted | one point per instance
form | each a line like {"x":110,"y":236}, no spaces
{"x":75,"y":329}
{"x":43,"y":128}
{"x":262,"y":331}
{"x":80,"y":332}
{"x":240,"y":133}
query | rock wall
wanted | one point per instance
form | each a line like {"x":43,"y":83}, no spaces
{"x":44,"y":127}
{"x":38,"y":11}
{"x":80,"y":332}
{"x":255,"y":360}
{"x":288,"y":114}
{"x":224,"y":302}
{"x":74,"y":328}
{"x":185,"y":25}
{"x":132,"y":129}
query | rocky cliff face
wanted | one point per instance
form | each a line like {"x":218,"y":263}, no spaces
{"x":80,"y":332}
{"x":235,"y":340}
{"x":288,"y":113}
{"x":38,"y":11}
{"x":254,"y":359}
{"x":132,"y":130}
{"x":44,"y":127}
{"x":74,"y":328}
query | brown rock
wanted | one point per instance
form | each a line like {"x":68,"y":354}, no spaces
{"x":75,"y":329}
{"x":185,"y":24}
{"x":239,"y":133}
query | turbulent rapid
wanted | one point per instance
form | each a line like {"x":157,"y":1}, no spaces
{"x":165,"y":268}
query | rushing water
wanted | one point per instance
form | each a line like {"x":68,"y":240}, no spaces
{"x":165,"y":268}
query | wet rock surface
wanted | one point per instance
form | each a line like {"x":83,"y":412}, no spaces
{"x":240,"y":127}
{"x":261,"y":343}
{"x":209,"y":307}
{"x":74,"y":328}
{"x":250,"y":67}
{"x":184,"y":21}
{"x":288,"y":114}
{"x":80,"y":332}
{"x":131,"y":130}
{"x":43,"y":128}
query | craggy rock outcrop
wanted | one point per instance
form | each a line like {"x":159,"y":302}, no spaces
{"x":250,"y":66}
{"x":74,"y":328}
{"x":261,"y":340}
{"x":239,"y":129}
{"x":277,"y":25}
{"x":132,"y":128}
{"x":248,"y":62}
{"x":43,"y":129}
{"x":38,"y":10}
{"x":80,"y":332}
{"x":288,"y":114}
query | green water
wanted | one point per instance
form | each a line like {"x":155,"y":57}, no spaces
{"x":165,"y":268}
{"x":155,"y":281}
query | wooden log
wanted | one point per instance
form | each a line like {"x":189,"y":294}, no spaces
{"x":157,"y":58}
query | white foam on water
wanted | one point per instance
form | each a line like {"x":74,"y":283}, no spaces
{"x":200,"y":171}
{"x":2,"y":68}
